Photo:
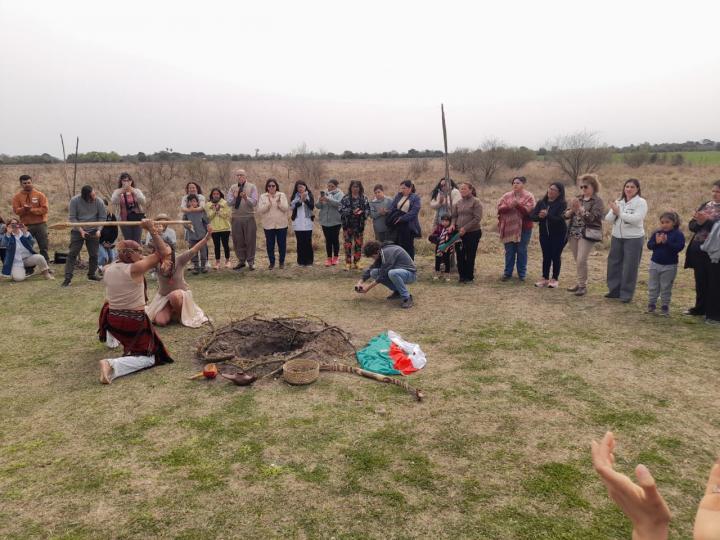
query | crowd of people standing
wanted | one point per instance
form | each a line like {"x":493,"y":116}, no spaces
{"x":230,"y":214}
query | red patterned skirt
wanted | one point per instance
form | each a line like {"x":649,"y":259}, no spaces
{"x":133,"y":329}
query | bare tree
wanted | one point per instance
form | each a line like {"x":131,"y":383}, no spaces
{"x":198,"y":170}
{"x":417,"y":168}
{"x":223,"y":170}
{"x":579,"y":153}
{"x":486,"y":160}
{"x":517,"y":158}
{"x":306,"y":165}
{"x":460,"y":160}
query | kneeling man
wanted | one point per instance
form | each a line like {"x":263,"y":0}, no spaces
{"x":123,"y":318}
{"x":393,"y":267}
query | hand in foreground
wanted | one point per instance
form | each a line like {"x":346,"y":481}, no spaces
{"x":148,"y":225}
{"x":707,"y":520}
{"x":700,"y":217}
{"x":641,"y":502}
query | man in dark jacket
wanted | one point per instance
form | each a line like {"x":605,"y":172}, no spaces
{"x":393,"y":267}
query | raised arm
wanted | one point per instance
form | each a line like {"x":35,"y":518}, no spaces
{"x":162,"y":251}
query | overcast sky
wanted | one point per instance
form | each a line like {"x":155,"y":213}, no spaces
{"x":366,"y":76}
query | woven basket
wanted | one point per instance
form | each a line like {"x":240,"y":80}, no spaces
{"x":301,"y":371}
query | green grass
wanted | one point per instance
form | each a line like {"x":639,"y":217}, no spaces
{"x":711,"y":157}
{"x":499,"y":448}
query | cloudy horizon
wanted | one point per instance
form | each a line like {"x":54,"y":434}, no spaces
{"x":230,"y":78}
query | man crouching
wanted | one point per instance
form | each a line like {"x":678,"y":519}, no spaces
{"x":123,"y":318}
{"x":393,"y":267}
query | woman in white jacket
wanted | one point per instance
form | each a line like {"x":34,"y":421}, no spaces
{"x":627,"y":215}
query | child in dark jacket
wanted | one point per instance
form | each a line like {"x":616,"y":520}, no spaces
{"x":665,"y":243}
{"x":440,"y":235}
{"x":198,"y":232}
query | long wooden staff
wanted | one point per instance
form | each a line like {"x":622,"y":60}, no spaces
{"x":447,"y":160}
{"x":344,"y":368}
{"x":68,"y":225}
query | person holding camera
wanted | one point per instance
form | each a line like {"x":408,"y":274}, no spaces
{"x":242,"y":197}
{"x":302,"y":204}
{"x":130,"y":202}
{"x":19,"y":253}
{"x":392,"y":267}
{"x":329,"y":217}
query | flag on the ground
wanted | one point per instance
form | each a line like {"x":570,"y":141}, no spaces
{"x":389,"y":354}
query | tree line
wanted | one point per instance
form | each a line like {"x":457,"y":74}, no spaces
{"x":481,"y":162}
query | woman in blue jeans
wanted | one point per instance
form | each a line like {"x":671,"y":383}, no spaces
{"x":515,"y":226}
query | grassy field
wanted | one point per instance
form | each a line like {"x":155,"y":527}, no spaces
{"x":694,"y":158}
{"x":519,"y":380}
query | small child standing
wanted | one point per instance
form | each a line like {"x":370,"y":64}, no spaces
{"x":440,"y":235}
{"x":197,"y":233}
{"x":665,"y":243}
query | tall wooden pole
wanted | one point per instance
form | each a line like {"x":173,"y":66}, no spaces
{"x":77,"y":143}
{"x":448,"y":185}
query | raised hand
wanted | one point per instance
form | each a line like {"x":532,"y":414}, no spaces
{"x":641,"y":502}
{"x":707,"y":519}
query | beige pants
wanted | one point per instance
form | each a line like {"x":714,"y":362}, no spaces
{"x":38,"y":261}
{"x":581,"y":249}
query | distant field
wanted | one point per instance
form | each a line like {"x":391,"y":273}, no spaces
{"x":694,"y":158}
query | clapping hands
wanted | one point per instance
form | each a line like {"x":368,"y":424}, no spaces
{"x":641,"y":502}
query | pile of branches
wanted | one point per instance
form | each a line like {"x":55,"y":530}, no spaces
{"x":260,"y":346}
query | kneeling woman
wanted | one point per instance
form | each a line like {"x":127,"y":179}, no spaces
{"x":174,"y":300}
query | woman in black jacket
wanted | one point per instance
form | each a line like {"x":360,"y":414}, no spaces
{"x":707,"y":274}
{"x":548,"y":213}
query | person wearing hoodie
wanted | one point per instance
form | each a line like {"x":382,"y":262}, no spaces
{"x":549,"y":213}
{"x":627,"y":215}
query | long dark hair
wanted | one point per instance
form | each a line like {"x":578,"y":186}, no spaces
{"x":408,"y":183}
{"x":295,"y":190}
{"x":213,"y":190}
{"x":125,"y":176}
{"x":438,"y":187}
{"x":357,"y":183}
{"x":633,"y":181}
{"x":561,"y":189}
{"x":197,"y":186}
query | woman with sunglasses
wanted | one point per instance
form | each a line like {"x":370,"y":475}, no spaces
{"x":627,"y":215}
{"x":273,"y":208}
{"x":585,"y":228}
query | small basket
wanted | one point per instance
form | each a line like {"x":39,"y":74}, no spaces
{"x":301,"y":371}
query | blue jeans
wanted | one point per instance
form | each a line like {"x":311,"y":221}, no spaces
{"x":517,"y":251}
{"x":105,"y":255}
{"x":398,"y":278}
{"x":271,"y":235}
